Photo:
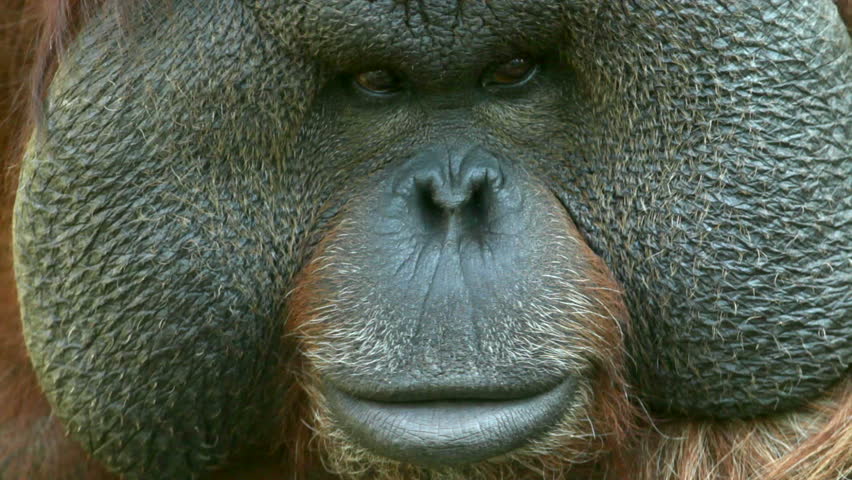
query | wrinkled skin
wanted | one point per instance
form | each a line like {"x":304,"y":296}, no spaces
{"x":192,"y":166}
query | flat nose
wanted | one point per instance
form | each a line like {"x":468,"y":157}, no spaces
{"x":455,"y":190}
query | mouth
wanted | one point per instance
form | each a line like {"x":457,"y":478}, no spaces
{"x":447,"y":432}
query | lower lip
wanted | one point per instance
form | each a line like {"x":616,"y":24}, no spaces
{"x":445,"y":433}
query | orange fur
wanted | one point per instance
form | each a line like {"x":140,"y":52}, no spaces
{"x":811,"y":443}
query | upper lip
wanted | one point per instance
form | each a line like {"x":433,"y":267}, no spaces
{"x":413,"y":389}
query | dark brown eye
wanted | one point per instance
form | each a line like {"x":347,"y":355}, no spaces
{"x":378,"y":81}
{"x":513,"y":72}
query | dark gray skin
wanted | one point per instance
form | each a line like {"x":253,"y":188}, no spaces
{"x":188,"y":168}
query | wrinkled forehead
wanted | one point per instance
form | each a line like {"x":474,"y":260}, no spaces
{"x":441,"y":34}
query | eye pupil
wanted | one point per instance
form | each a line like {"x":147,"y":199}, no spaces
{"x":512,"y":72}
{"x":378,"y":81}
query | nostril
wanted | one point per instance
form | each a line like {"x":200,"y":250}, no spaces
{"x":433,"y":215}
{"x":475,"y":209}
{"x":442,"y":204}
{"x":453,"y":195}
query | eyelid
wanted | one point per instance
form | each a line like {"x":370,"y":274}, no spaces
{"x":534,"y":69}
{"x":395,"y":81}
